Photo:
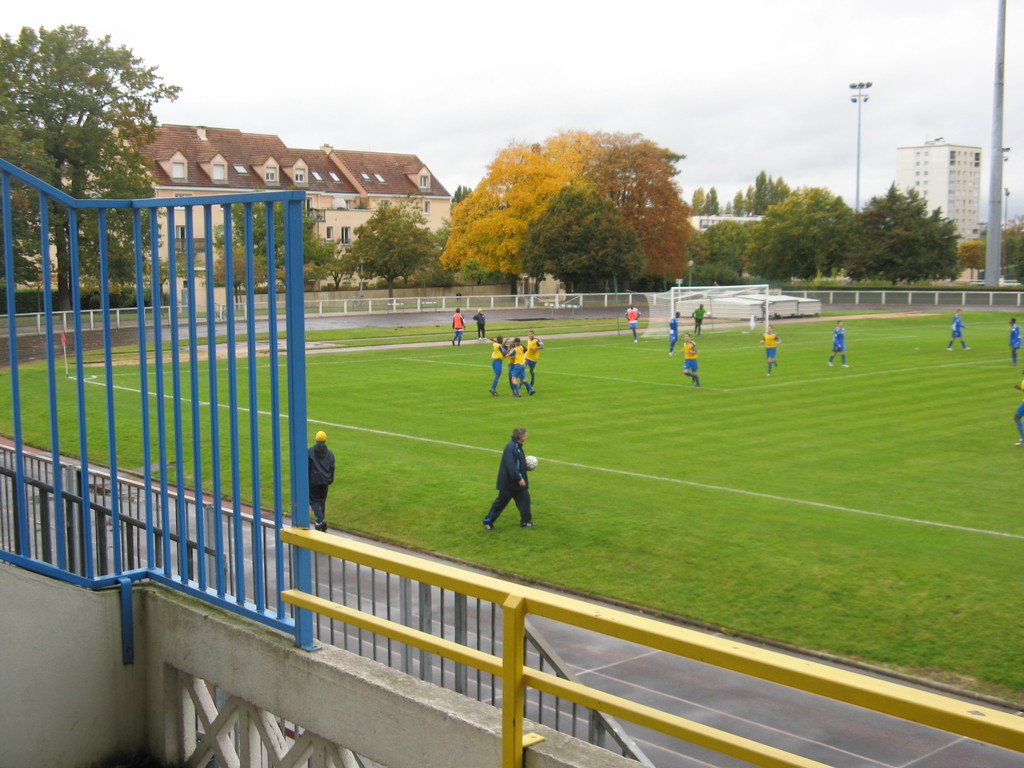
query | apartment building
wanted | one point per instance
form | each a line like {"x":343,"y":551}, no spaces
{"x":948,"y":176}
{"x":343,"y":188}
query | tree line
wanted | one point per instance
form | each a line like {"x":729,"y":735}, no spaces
{"x":598,"y":211}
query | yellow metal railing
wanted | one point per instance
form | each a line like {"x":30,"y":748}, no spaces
{"x":943,"y":712}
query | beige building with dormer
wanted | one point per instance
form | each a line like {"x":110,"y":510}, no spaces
{"x":343,"y":188}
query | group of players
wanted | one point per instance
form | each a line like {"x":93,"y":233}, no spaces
{"x":520,"y":356}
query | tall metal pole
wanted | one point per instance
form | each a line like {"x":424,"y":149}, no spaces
{"x":994,"y":240}
{"x":859,"y":98}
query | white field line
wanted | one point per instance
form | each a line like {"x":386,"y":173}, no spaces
{"x":625,"y":473}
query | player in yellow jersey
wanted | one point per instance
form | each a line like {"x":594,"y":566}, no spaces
{"x":771,"y":341}
{"x":690,"y":360}
{"x":498,"y":353}
{"x":533,"y":348}
{"x":517,"y":368}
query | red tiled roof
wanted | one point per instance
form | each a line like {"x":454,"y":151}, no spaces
{"x":248,"y":150}
{"x":394,"y":169}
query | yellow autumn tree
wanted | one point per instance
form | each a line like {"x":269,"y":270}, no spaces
{"x":633,"y":172}
{"x":489,"y":225}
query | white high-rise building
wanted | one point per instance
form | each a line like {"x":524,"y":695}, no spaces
{"x":948,"y":176}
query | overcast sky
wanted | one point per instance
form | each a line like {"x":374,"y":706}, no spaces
{"x":738,"y":86}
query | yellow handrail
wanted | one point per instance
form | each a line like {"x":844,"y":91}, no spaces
{"x":517,"y":601}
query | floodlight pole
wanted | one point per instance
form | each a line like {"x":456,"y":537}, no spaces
{"x":858,"y":98}
{"x":994,"y":237}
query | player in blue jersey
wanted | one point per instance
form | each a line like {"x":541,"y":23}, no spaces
{"x":673,"y":334}
{"x":690,"y":360}
{"x":1014,"y":339}
{"x":1019,"y":414}
{"x":838,"y":344}
{"x":958,"y":332}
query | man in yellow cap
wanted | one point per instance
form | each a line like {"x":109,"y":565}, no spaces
{"x":321,"y":475}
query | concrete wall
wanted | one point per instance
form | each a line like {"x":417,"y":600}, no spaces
{"x":67,"y":699}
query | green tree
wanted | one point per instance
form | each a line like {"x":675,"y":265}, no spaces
{"x":739,"y":205}
{"x":392,"y":243}
{"x":461,"y":193}
{"x":720,"y":253}
{"x":712,"y":207}
{"x":807,"y":236}
{"x":85,"y":107}
{"x":901,"y":242}
{"x":764,"y":193}
{"x":583,"y":240}
{"x":699,"y":202}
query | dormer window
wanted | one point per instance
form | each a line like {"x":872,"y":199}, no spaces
{"x":424,"y":181}
{"x":270,"y":174}
{"x":220,"y":172}
{"x":178,"y":170}
{"x":300,"y":175}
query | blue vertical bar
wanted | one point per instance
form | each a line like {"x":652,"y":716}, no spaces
{"x":23,"y":538}
{"x":232,"y":382}
{"x":257,"y":549}
{"x":296,"y":346}
{"x":140,"y":314}
{"x":108,"y":369}
{"x":196,"y":397}
{"x":275,"y":403}
{"x":51,"y":381}
{"x":83,"y":433}
{"x":180,"y":508}
{"x":214,"y":399}
{"x":156,"y":303}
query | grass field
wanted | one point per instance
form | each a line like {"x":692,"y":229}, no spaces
{"x":869,"y":512}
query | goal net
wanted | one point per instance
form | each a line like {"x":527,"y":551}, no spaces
{"x":720,"y":302}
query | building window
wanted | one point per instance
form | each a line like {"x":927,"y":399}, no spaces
{"x":426,"y":207}
{"x":220,"y":172}
{"x":365,"y":175}
{"x":333,"y":175}
{"x":424,"y":181}
{"x":240,"y":169}
{"x":300,"y":175}
{"x":330,"y":233}
{"x":271,"y":174}
{"x":317,"y":176}
{"x":178,"y":170}
{"x":379,"y":177}
{"x":346,"y":235}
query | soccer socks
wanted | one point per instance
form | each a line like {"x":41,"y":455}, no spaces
{"x":696,"y":380}
{"x":494,"y":384}
{"x":843,"y":358}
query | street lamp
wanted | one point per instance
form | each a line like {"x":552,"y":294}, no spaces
{"x":858,"y":98}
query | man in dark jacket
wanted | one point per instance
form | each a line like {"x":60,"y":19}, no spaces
{"x":321,"y":475}
{"x":481,"y":324}
{"x":512,"y":483}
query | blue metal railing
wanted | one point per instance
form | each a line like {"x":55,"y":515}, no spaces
{"x":170,"y":421}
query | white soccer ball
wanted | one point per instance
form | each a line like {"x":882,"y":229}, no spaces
{"x":531,"y":463}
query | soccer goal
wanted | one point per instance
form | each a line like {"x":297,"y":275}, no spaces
{"x":720,"y":302}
